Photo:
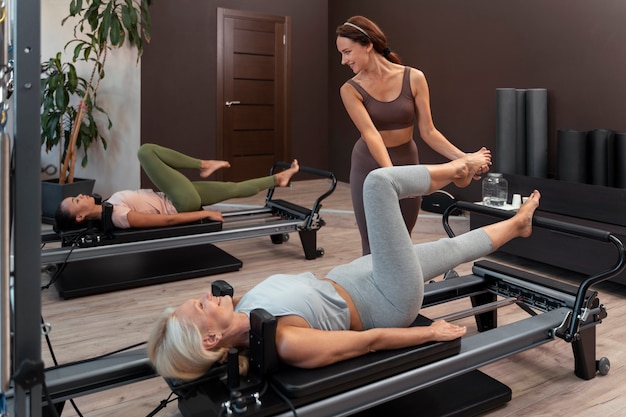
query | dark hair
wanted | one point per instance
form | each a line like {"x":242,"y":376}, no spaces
{"x":372,"y":35}
{"x":64,"y":221}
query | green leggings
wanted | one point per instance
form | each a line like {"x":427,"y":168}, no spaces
{"x":162,"y":165}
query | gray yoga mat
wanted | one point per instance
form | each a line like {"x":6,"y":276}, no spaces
{"x":598,"y":151}
{"x":537,"y":132}
{"x":506,"y":117}
{"x":571,"y":155}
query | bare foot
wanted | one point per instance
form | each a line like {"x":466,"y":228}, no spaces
{"x":210,"y":166}
{"x":483,"y":170}
{"x":470,"y":165}
{"x":524,"y":216}
{"x":283,"y":177}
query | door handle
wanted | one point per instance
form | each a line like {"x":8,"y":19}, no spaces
{"x":231,"y":103}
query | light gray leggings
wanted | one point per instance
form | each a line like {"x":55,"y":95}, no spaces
{"x":387,"y":286}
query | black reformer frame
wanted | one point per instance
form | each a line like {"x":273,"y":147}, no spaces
{"x":164,"y":254}
{"x":350,"y":387}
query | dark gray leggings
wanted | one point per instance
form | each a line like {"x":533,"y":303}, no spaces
{"x":363,"y":163}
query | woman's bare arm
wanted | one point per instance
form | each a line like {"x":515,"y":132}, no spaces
{"x":305,"y":347}
{"x":363,"y":122}
{"x":143,"y":220}
{"x":428,"y":132}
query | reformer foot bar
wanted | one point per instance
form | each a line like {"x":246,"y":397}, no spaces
{"x":391,"y":378}
{"x":110,"y":258}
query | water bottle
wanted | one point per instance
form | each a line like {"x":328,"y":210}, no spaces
{"x":495,"y":190}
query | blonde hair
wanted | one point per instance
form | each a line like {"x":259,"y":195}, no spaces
{"x":176,"y":351}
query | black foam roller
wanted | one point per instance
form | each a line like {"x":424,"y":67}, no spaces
{"x":571,"y":155}
{"x":520,"y":132}
{"x":598,"y":151}
{"x":504,"y":157}
{"x":537,"y":132}
{"x":619,"y":153}
{"x":612,"y":161}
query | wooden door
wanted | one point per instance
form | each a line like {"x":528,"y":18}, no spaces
{"x":252,"y":92}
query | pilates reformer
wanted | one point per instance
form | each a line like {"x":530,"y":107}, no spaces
{"x":115,"y":259}
{"x":390,"y":381}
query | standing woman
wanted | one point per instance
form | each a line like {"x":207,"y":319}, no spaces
{"x":383,"y":100}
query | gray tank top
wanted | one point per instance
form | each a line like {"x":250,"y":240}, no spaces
{"x":301,"y":295}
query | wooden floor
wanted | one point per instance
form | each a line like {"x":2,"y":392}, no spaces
{"x":542,"y":379}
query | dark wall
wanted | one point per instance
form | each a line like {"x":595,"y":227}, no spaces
{"x":179,"y":75}
{"x":467,"y":49}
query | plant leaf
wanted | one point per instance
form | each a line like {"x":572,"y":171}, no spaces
{"x":115,"y":34}
{"x":75,"y":7}
{"x":72,"y":79}
{"x":62,"y":98}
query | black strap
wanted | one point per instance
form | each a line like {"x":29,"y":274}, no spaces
{"x":107,"y":217}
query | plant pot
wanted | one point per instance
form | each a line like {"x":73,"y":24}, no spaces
{"x":52,"y":193}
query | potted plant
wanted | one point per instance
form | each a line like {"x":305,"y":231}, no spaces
{"x":69,"y":109}
{"x":62,"y":91}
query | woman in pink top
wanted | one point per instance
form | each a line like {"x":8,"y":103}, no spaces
{"x":179,"y":200}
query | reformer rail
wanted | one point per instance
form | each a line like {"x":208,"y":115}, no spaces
{"x":59,"y":255}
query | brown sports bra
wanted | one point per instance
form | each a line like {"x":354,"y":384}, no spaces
{"x":390,"y":115}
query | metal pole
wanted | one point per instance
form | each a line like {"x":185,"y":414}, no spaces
{"x":26,"y":209}
{"x":5,"y":261}
{"x":5,"y":217}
